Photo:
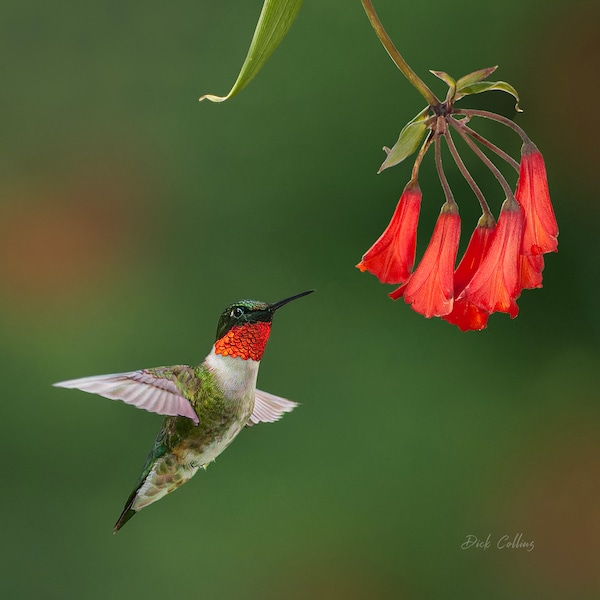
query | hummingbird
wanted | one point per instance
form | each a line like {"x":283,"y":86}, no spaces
{"x":206,"y":406}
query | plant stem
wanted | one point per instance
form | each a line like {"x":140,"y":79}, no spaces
{"x":384,"y":38}
{"x":486,"y":161}
{"x":471,"y":112}
{"x":503,"y":155}
{"x":441,"y":174}
{"x":416,"y":166}
{"x":463,"y":169}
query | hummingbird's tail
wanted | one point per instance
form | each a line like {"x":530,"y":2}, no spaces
{"x":133,"y":503}
{"x":162,"y":474}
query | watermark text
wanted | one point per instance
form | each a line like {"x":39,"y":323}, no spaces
{"x":501,"y":542}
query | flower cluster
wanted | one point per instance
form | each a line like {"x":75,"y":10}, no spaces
{"x":502,"y":258}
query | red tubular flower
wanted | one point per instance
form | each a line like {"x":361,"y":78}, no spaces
{"x":540,"y":229}
{"x":392,"y":256}
{"x":430,"y":289}
{"x":466,"y":315}
{"x":497,"y":284}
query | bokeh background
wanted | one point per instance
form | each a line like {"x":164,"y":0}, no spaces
{"x":131,"y":215}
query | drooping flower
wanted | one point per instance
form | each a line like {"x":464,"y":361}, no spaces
{"x":497,"y":283}
{"x":466,"y":315}
{"x":430,"y":289}
{"x":392,"y":256}
{"x":540,"y":227}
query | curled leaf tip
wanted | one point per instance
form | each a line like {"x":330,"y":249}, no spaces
{"x":273,"y":24}
{"x":212,"y":98}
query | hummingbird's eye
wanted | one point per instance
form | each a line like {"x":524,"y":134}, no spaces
{"x":237,"y":312}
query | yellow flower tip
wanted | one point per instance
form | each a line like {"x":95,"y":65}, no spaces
{"x":486,"y":220}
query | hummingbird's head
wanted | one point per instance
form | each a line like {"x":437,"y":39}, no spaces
{"x":244,"y":327}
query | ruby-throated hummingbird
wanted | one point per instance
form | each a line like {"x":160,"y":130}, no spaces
{"x":207,"y":405}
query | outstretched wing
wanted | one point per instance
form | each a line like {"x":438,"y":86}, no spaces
{"x":149,"y":389}
{"x":269,"y":408}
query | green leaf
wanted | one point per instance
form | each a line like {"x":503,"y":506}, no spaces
{"x":274,"y":22}
{"x":408,"y":141}
{"x":474,"y":77}
{"x":486,"y":86}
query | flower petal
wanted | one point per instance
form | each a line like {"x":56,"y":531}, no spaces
{"x":531,"y":271}
{"x":466,"y":316}
{"x":392,"y":256}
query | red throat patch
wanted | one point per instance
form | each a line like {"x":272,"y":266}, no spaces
{"x":244,"y":341}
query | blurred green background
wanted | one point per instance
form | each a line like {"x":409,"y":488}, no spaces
{"x":131,"y":216}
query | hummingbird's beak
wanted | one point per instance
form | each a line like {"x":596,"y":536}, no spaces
{"x":276,"y":305}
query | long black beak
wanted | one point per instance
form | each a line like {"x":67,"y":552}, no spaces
{"x":276,"y":305}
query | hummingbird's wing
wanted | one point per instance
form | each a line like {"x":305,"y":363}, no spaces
{"x":269,"y":408}
{"x":144,"y":389}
